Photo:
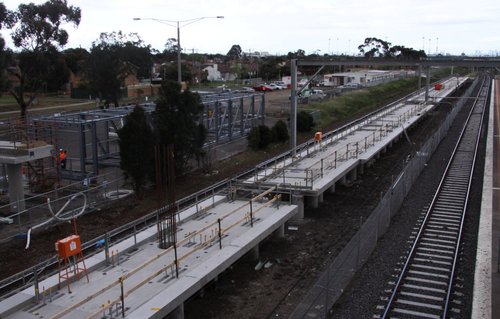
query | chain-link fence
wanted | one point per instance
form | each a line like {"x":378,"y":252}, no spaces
{"x":324,"y":293}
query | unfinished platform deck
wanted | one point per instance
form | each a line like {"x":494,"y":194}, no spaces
{"x":211,"y":236}
{"x":316,"y":167}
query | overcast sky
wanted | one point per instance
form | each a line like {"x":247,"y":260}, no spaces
{"x":282,"y":26}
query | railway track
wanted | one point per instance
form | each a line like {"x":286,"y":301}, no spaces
{"x":426,"y":284}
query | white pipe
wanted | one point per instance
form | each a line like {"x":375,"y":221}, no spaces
{"x":57,"y":215}
{"x":28,"y":236}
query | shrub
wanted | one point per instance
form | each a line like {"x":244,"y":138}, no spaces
{"x":259,"y":137}
{"x":305,"y":122}
{"x":280,"y":132}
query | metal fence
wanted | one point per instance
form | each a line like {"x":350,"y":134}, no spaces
{"x":328,"y":288}
{"x":19,"y":281}
{"x":99,"y":191}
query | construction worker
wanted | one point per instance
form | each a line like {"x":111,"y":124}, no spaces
{"x":62,"y":158}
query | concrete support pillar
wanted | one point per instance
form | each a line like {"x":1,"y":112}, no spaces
{"x":368,"y":164}
{"x":332,"y":188}
{"x":177,"y":313}
{"x":280,"y":232}
{"x":299,"y":201}
{"x":427,"y":83}
{"x":343,"y":180}
{"x":254,"y":253}
{"x":377,"y":156}
{"x":361,"y":168}
{"x":321,"y":198}
{"x":314,"y":201}
{"x":353,"y":175}
{"x":16,"y":188}
{"x":419,"y":74}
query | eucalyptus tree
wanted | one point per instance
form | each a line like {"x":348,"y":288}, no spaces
{"x":5,"y":53}
{"x":37,"y":30}
{"x":374,"y":47}
{"x":113,"y":58}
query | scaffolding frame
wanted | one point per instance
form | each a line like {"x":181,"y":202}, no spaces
{"x":91,"y":140}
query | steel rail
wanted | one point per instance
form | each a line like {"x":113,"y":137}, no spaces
{"x":450,"y":168}
{"x":452,"y":275}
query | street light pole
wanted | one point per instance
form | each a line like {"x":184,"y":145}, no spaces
{"x":179,"y":24}
{"x":179,"y":72}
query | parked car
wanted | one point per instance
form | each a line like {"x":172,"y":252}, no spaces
{"x":281,"y":84}
{"x":311,"y":95}
{"x":320,"y":83}
{"x":351,"y":86}
{"x":302,"y":82}
{"x":245,"y":89}
{"x":223,"y":89}
{"x":262,"y":87}
{"x":316,"y":95}
{"x":274,"y":86}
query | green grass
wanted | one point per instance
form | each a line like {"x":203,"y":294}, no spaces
{"x":352,"y":103}
{"x":7,"y":101}
{"x":9,"y":106}
{"x":356,"y":102}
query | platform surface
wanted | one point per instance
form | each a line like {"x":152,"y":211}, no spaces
{"x":151,"y":286}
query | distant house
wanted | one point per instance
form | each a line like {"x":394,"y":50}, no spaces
{"x":226,"y":73}
{"x":213,"y":74}
{"x":131,"y":79}
{"x":257,"y":54}
{"x":363,"y":77}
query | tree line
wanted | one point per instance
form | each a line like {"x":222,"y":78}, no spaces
{"x":175,"y":121}
{"x":39,"y":64}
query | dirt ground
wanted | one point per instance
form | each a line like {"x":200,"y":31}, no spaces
{"x":243,"y":292}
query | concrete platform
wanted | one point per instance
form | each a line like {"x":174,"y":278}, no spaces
{"x":151,"y":287}
{"x":486,"y":298}
{"x":13,"y":154}
{"x":18,"y":153}
{"x":317,"y":168}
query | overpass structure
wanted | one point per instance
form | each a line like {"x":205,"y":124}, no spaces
{"x":137,"y":279}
